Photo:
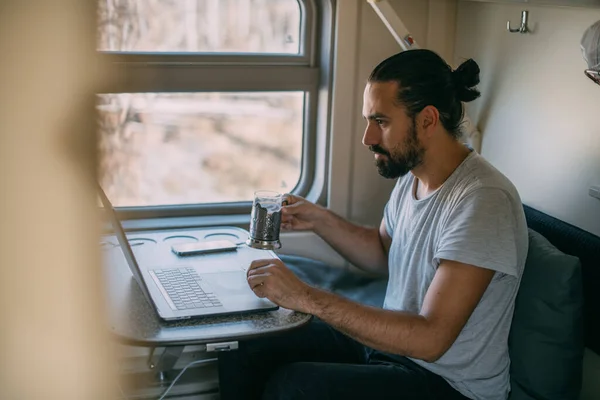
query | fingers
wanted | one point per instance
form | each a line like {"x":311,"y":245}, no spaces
{"x":260,"y":270}
{"x":259,"y":291}
{"x":268,"y":265}
{"x":295,"y":205}
{"x":261,"y":263}
{"x":286,"y":221}
{"x":254,"y":281}
{"x":258,"y":282}
{"x":287,"y":226}
{"x":288,"y":214}
{"x":293,"y":208}
{"x":291,"y":199}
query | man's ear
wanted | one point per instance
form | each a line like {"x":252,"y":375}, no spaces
{"x":428,"y":119}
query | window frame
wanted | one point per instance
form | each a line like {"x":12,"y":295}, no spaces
{"x":308,"y":71}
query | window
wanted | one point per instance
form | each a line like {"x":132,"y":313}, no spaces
{"x":182,"y":148}
{"x":207,"y":26}
{"x":212,"y":100}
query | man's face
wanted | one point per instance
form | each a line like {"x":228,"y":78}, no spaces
{"x":390,"y":133}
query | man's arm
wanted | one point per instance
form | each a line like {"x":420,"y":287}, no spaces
{"x":454,"y":293}
{"x":365,"y":248}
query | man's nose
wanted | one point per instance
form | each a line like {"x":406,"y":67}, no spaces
{"x":371,"y":135}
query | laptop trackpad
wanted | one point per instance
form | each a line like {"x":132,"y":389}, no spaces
{"x":226,"y":283}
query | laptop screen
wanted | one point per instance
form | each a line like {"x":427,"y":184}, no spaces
{"x":109,"y":211}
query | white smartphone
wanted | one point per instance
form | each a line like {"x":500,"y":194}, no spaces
{"x":213,"y":246}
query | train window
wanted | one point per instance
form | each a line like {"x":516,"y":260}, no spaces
{"x":186,"y":148}
{"x":200,"y":26}
{"x":211,"y":100}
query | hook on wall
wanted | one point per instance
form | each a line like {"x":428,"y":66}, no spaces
{"x":523,"y":28}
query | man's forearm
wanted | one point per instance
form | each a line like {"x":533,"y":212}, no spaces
{"x":359,"y":245}
{"x":389,"y":331}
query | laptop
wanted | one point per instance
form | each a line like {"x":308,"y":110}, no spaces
{"x":183,"y":292}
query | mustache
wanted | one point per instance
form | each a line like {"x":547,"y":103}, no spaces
{"x":375,"y":148}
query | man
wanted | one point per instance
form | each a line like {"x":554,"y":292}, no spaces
{"x":453,"y":240}
{"x":590,"y":45}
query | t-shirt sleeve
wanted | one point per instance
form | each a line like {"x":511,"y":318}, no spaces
{"x":481,"y":231}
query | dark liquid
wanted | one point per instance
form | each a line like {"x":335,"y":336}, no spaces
{"x":265,"y":224}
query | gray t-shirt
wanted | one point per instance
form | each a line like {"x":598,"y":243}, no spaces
{"x":475,"y":217}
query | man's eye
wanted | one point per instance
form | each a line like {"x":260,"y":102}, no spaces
{"x":379,"y":121}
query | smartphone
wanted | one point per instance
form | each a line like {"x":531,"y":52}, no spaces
{"x":213,"y":246}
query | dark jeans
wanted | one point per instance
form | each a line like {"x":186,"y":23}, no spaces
{"x":318,"y":362}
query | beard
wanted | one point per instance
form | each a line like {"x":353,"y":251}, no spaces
{"x":402,"y":159}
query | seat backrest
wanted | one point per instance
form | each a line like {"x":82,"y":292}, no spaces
{"x":584,"y":245}
{"x":546,"y":339}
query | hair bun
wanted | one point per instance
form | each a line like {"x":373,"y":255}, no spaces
{"x":466,"y":77}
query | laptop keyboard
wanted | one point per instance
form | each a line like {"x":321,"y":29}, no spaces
{"x":182,"y":286}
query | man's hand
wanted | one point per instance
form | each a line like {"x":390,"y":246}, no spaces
{"x":270,"y":278}
{"x":299,"y":214}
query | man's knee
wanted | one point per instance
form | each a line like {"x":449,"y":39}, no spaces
{"x":293,"y":382}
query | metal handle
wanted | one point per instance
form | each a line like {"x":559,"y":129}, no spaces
{"x":523,"y":28}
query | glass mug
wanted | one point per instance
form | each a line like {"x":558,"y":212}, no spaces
{"x":265,"y":222}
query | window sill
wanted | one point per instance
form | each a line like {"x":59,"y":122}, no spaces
{"x":147,"y":224}
{"x":240,"y":220}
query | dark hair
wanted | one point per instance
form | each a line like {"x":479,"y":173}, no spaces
{"x":424,"y":79}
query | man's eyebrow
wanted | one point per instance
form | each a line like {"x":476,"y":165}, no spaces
{"x":376,"y":116}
